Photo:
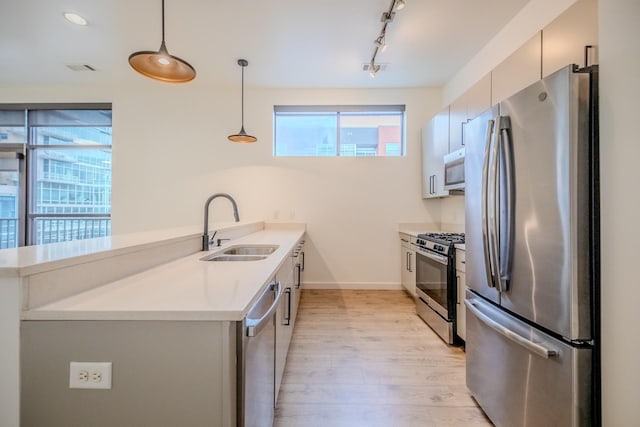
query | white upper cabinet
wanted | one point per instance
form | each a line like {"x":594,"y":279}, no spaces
{"x":435,"y":144}
{"x":522,"y":68}
{"x":564,"y":39}
{"x":473,"y":102}
{"x":457,"y":116}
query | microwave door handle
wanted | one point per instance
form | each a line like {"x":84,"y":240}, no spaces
{"x":494,"y":205}
{"x":506,"y":255}
{"x":484,"y":200}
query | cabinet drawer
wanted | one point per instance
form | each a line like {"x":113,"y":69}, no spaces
{"x":407,"y":241}
{"x":460,"y":260}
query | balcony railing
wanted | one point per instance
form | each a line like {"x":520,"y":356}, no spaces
{"x":8,"y":233}
{"x":52,"y":230}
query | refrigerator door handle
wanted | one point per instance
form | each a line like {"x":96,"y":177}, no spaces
{"x":484,"y":200}
{"x":506,"y":249}
{"x":493,"y":205}
{"x":531,"y":346}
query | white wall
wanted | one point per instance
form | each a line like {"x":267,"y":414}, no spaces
{"x":452,"y":214}
{"x":170,"y":152}
{"x":620,"y":175}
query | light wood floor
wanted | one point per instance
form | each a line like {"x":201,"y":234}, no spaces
{"x":364,"y":358}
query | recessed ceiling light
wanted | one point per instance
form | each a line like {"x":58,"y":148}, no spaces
{"x":74,"y":18}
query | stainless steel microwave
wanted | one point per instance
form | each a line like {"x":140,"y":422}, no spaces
{"x":454,"y":170}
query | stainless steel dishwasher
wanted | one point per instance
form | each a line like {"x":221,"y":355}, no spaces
{"x":256,"y":340}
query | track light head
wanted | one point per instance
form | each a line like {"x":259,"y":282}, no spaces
{"x":400,"y":4}
{"x":373,"y":70}
{"x":387,"y":17}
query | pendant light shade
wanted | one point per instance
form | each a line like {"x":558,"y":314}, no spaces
{"x":242,"y":136}
{"x":161,"y":65}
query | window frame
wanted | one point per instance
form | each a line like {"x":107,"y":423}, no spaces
{"x":26,"y":153}
{"x":300,"y":110}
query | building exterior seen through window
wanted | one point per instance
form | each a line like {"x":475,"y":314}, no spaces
{"x":55,"y":174}
{"x":354,"y":131}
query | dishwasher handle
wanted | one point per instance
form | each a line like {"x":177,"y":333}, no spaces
{"x":254,"y":326}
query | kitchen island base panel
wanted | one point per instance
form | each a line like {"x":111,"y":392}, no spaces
{"x":164,"y":373}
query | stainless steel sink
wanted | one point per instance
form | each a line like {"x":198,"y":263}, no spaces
{"x":217,"y":257}
{"x":251,"y":250}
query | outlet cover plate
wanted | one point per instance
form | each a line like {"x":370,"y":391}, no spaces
{"x":91,"y":375}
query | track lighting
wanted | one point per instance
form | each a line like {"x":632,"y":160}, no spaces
{"x":380,"y":42}
{"x":373,"y":70}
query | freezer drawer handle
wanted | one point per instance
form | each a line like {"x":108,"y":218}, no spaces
{"x":528,"y":344}
{"x":254,"y":326}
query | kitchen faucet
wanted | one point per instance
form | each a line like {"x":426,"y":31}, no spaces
{"x":206,"y":240}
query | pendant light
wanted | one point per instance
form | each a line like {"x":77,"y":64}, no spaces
{"x":161,"y":65}
{"x":242,"y":135}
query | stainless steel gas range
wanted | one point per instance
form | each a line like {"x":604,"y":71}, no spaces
{"x":436,"y":282}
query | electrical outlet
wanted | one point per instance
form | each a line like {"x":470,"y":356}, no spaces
{"x":90,"y":375}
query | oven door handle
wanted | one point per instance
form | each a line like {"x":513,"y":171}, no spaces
{"x":438,"y":258}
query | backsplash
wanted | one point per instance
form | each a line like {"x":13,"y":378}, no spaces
{"x":452,"y":214}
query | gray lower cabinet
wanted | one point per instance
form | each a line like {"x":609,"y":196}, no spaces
{"x":290,"y":276}
{"x":165,"y":373}
{"x":284,"y":320}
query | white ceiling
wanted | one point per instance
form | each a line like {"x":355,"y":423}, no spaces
{"x":288,"y":43}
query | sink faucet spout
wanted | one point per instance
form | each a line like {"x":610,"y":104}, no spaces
{"x":206,"y":239}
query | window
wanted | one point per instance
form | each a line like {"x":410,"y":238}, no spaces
{"x":351,"y":130}
{"x":66,"y":193}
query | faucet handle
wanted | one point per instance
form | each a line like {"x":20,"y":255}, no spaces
{"x":219,"y":241}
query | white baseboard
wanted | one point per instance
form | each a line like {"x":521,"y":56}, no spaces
{"x":387,"y":286}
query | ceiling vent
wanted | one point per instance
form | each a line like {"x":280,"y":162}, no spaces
{"x":80,"y":67}
{"x":366,"y":66}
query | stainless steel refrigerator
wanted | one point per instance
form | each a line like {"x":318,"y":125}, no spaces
{"x":531,"y":203}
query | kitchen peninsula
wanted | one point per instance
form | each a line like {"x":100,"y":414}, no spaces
{"x":149,"y":304}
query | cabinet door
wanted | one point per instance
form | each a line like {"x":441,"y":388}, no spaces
{"x":460,"y":307}
{"x":518,"y":71}
{"x":435,"y":144}
{"x":408,"y":272}
{"x":564,"y":39}
{"x":457,"y":116}
{"x":478,"y":97}
{"x":470,"y":105}
{"x":284,"y":323}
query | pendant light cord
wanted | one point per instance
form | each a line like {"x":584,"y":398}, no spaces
{"x":242,"y":99}
{"x":162,"y":21}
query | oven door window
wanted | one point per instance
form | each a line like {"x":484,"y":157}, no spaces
{"x":431,"y":278}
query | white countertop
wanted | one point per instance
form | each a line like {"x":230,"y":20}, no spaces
{"x":184,"y":289}
{"x":27,"y":260}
